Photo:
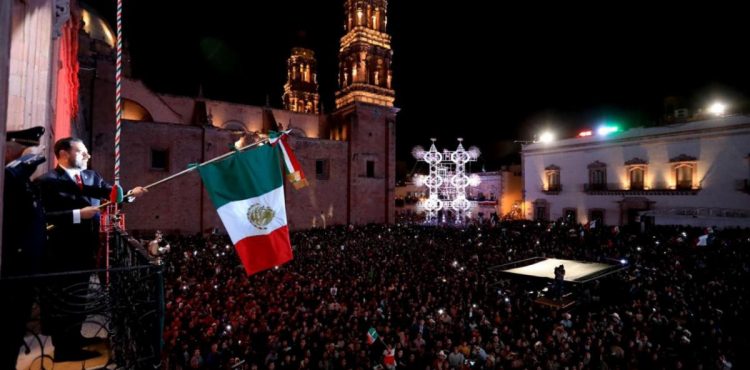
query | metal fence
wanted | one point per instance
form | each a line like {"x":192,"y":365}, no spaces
{"x":123,"y":305}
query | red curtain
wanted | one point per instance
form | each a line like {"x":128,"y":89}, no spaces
{"x":66,"y":107}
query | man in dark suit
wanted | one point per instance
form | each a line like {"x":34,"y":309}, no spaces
{"x":23,"y":240}
{"x":71,"y":195}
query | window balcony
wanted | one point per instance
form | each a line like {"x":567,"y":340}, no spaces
{"x":553,"y":189}
{"x":589,"y":187}
{"x":638,"y":189}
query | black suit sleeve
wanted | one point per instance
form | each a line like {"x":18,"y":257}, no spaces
{"x":100,"y":188}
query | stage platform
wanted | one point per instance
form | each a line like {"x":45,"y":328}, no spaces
{"x":544,"y":268}
{"x":566,"y":302}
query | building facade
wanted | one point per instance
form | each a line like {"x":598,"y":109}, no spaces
{"x":38,"y":66}
{"x":693,"y":173}
{"x":348,"y":156}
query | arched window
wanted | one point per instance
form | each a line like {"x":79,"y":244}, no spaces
{"x":235,"y":126}
{"x":684,"y":176}
{"x":133,"y":111}
{"x":636,"y":178}
{"x":552,"y":178}
{"x":684,"y":172}
{"x":636,"y":171}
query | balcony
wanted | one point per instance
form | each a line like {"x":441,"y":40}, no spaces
{"x":597,"y":187}
{"x":123,"y":306}
{"x":552,"y":189}
{"x":638,"y":189}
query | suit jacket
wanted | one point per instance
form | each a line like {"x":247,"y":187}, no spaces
{"x":71,"y":246}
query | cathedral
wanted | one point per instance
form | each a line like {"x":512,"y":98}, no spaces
{"x":348,"y":155}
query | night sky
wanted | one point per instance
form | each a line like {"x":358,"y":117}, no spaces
{"x":487,"y":72}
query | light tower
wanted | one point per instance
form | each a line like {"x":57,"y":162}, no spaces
{"x":447,"y":181}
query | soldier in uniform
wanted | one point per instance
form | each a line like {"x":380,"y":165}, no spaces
{"x":23,"y":240}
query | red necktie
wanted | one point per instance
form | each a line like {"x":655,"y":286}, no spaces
{"x":79,"y":182}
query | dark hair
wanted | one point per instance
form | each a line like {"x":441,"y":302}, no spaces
{"x":64,"y":144}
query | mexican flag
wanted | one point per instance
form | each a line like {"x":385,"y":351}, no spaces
{"x":247,"y":191}
{"x":372,"y":336}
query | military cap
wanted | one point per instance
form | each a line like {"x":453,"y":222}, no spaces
{"x":28,"y":137}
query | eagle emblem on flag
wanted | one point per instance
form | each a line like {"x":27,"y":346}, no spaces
{"x":260,"y":216}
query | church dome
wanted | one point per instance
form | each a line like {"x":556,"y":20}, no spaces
{"x":96,"y":26}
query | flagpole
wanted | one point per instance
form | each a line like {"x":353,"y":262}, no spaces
{"x":193,"y":168}
{"x":185,"y":171}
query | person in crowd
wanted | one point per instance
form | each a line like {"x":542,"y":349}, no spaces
{"x":673,"y":302}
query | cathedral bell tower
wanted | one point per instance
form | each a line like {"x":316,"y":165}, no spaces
{"x":301,"y":88}
{"x":365,"y":116}
{"x":365,"y":55}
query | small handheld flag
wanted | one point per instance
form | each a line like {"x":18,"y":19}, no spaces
{"x":372,"y":336}
{"x":116,"y":196}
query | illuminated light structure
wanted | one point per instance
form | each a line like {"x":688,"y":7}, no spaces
{"x":447,"y":181}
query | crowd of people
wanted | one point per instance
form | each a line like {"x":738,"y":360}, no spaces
{"x":434,"y":303}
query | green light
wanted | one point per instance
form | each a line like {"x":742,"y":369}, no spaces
{"x":605,"y":130}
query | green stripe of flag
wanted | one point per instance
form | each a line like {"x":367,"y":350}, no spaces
{"x":243,"y":175}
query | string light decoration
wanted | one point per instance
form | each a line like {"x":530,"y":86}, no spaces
{"x":446,"y":181}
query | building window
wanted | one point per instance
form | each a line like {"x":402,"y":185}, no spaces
{"x":541,"y":209}
{"x":159,"y":159}
{"x":570,"y":215}
{"x":636,"y":178}
{"x":684,"y":177}
{"x":636,"y":170}
{"x":322,"y":169}
{"x":597,"y":176}
{"x":597,"y":214}
{"x":370,"y":168}
{"x":552,"y":178}
{"x":684,"y":172}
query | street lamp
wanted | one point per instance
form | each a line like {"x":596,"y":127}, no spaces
{"x":546,"y":137}
{"x":717,"y":109}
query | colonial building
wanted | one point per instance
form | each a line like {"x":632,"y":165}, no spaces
{"x":348,"y":155}
{"x":693,"y":173}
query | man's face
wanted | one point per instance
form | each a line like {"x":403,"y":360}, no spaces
{"x":77,"y":157}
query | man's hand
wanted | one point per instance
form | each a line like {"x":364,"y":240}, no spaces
{"x":88,"y":212}
{"x":137,"y":191}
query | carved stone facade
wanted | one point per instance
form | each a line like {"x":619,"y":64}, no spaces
{"x":301,"y":88}
{"x":365,"y":59}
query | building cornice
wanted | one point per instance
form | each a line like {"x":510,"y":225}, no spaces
{"x":588,"y":144}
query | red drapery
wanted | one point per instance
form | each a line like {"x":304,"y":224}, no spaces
{"x":66,"y":107}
